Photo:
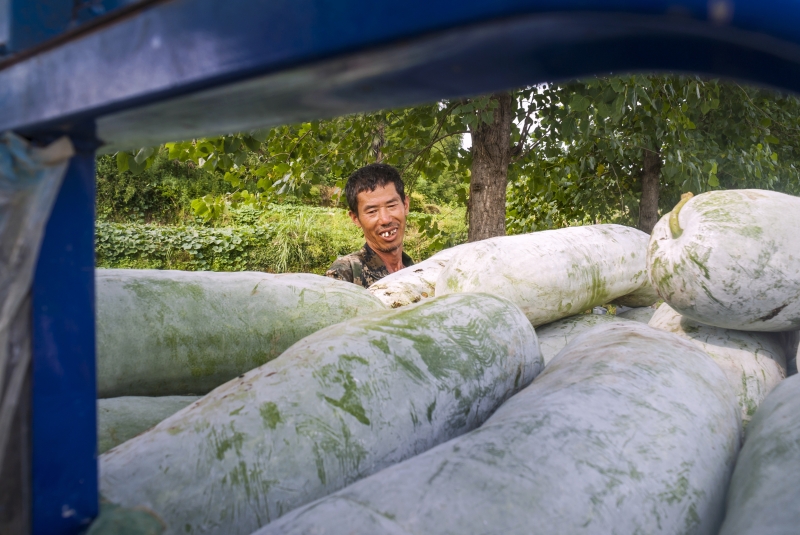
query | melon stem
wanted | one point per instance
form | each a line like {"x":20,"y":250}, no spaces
{"x":674,"y":225}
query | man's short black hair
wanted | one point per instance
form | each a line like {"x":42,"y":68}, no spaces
{"x":368,"y":178}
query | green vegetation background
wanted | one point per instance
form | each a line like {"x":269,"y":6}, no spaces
{"x":146,"y":222}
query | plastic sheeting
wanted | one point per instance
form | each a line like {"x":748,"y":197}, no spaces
{"x":30,"y":179}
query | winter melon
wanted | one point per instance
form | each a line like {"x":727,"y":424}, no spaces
{"x":120,"y":419}
{"x":554,"y":336}
{"x":163,"y":333}
{"x":731,"y":259}
{"x":552,"y":274}
{"x":339,"y":405}
{"x":628,"y":430}
{"x":753,"y":362}
{"x":764,"y":497}
{"x":640,"y":314}
{"x":414,"y":283}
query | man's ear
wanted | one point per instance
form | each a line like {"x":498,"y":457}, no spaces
{"x":354,"y":217}
{"x":406,"y":204}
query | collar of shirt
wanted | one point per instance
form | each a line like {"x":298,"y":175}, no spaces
{"x":371,"y":256}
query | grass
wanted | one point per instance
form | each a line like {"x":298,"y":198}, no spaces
{"x":282,"y":239}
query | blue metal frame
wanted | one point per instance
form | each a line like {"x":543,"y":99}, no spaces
{"x":64,"y":427}
{"x":32,"y":22}
{"x":173,"y":69}
{"x":175,"y":49}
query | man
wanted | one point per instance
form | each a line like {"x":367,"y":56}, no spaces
{"x":378,"y":206}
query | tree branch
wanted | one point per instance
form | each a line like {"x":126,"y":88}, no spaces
{"x":528,"y":151}
{"x":516,"y":150}
{"x":428,"y":147}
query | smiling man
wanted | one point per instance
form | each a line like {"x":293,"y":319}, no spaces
{"x":378,"y":206}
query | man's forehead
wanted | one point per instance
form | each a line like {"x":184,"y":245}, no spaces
{"x":380,"y":194}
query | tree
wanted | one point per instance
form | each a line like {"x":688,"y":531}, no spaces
{"x":424,"y":142}
{"x":602,"y":149}
{"x":614,"y":145}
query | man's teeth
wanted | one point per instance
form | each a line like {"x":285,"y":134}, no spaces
{"x":389,"y":233}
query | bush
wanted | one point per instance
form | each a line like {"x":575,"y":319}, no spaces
{"x":283,"y":239}
{"x":161,"y":194}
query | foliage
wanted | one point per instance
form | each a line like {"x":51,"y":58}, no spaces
{"x":709,"y":134}
{"x":577,"y":151}
{"x":162,"y":193}
{"x":423,"y":142}
{"x":282,"y":239}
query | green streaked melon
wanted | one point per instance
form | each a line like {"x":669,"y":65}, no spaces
{"x":628,"y":430}
{"x":553,"y":337}
{"x":414,"y":283}
{"x":120,"y":419}
{"x":552,"y":274}
{"x":753,"y":362}
{"x":763,"y":496}
{"x":338,"y":405}
{"x":165,"y":333}
{"x":640,"y":314}
{"x":731,"y":259}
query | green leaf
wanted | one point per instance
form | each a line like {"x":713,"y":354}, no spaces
{"x":143,"y":154}
{"x":122,"y":161}
{"x":135,"y":167}
{"x":251,"y":143}
{"x":579,"y":103}
{"x":232,"y":178}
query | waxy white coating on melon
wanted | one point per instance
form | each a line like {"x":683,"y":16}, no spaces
{"x":736,"y":261}
{"x":643,"y":297}
{"x":553,"y":337}
{"x":753,"y":362}
{"x":121,"y":419}
{"x":628,"y":430}
{"x":640,"y":314}
{"x":340,"y":404}
{"x":179,"y":333}
{"x":764,"y":496}
{"x":552,"y":274}
{"x":414,"y":283}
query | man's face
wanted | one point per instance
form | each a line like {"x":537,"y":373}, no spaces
{"x":382,"y":217}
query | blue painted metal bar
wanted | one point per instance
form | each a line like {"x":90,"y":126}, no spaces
{"x":474,"y":60}
{"x":27,"y":23}
{"x":64,"y":429}
{"x":179,"y":47}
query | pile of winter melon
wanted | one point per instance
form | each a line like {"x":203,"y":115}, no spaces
{"x":472,"y":392}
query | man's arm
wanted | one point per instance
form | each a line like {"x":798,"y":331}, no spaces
{"x":341,"y":270}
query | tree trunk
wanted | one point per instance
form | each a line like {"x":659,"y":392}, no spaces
{"x":491,"y":155}
{"x":648,"y":205}
{"x":378,"y":141}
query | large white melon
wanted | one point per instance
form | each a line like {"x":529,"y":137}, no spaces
{"x":628,"y":430}
{"x":552,"y":274}
{"x":414,"y":283}
{"x":553,"y":337}
{"x":120,"y":419}
{"x":162,"y":333}
{"x":764,"y":497}
{"x":339,"y":405}
{"x":731,"y":259}
{"x":753,"y":362}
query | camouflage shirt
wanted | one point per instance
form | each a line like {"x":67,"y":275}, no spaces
{"x":367,"y":265}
